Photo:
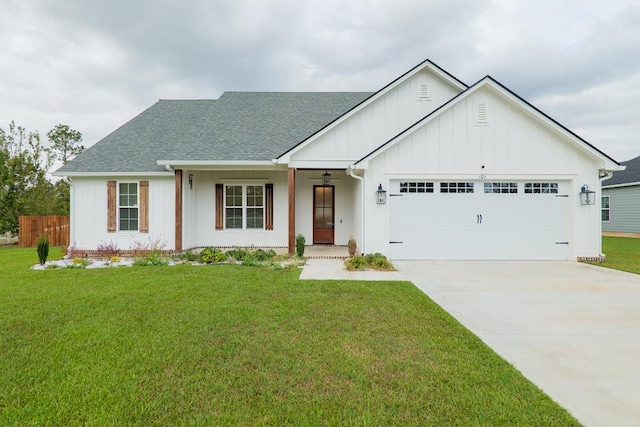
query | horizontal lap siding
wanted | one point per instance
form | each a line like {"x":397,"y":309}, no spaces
{"x":624,"y":209}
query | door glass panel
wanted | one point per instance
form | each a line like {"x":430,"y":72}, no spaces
{"x":328,"y":217}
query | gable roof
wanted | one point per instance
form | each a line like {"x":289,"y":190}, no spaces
{"x":630,"y":175}
{"x":490,"y":81}
{"x":239,"y":126}
{"x":432,"y":66}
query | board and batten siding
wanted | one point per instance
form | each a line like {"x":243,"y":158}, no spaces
{"x":89,"y":218}
{"x":511,"y":146}
{"x":199,"y":210}
{"x":377,"y":122}
{"x":624,"y":209}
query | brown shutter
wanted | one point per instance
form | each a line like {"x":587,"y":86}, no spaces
{"x":219,"y":207}
{"x":111,"y":207}
{"x":144,"y":206}
{"x":268,"y":220}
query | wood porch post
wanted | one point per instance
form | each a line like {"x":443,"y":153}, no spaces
{"x":178,"y":230}
{"x":292,"y":210}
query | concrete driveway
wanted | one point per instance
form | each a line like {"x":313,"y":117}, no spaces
{"x":571,"y":328}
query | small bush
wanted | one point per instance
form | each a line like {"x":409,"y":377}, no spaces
{"x":375,"y":261}
{"x":187,"y":256}
{"x":43,"y":249}
{"x":115,"y":259}
{"x":152,"y":258}
{"x":79,"y":263}
{"x":211,"y":256}
{"x":237,"y":254}
{"x":300,"y":241}
{"x":353,"y":246}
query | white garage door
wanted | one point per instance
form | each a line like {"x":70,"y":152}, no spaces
{"x":479,"y":220}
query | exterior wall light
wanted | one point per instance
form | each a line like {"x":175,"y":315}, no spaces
{"x":326,"y":178}
{"x":190,"y":181}
{"x":587,"y":197}
{"x":382,"y":195}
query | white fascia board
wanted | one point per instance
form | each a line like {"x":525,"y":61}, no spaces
{"x":285,"y":158}
{"x":319,"y":164}
{"x":108,"y":174}
{"x":627,"y":184}
{"x":221,"y":164}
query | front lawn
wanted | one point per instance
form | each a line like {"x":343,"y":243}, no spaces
{"x":623,"y":253}
{"x":233,"y":345}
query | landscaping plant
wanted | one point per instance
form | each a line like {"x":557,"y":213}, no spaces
{"x":300,"y":241}
{"x":43,"y":249}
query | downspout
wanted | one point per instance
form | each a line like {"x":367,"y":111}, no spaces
{"x":66,"y":180}
{"x":351,"y":172}
{"x":169,"y":168}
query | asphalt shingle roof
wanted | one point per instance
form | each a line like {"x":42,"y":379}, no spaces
{"x":630,"y":174}
{"x":238,"y":126}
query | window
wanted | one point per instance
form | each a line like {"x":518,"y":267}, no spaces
{"x":244,"y":206}
{"x":416,"y":187}
{"x":541,"y":188}
{"x":501,"y":187}
{"x":456,"y":187}
{"x":606,"y":210}
{"x":128,"y":206}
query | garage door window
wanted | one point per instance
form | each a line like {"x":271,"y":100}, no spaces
{"x":416,"y":187}
{"x":501,"y":187}
{"x":456,"y":187}
{"x":541,"y":188}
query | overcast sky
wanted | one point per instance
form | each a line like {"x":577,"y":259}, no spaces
{"x":96,"y":64}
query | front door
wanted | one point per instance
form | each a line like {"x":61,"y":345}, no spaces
{"x":323,"y":214}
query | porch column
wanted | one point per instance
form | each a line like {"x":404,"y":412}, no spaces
{"x":292,"y":210}
{"x":178,"y":206}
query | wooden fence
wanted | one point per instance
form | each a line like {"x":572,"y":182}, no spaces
{"x":56,"y":228}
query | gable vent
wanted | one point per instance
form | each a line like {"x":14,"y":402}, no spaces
{"x":424,"y":94}
{"x":481,"y":115}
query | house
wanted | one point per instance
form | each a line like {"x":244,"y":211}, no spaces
{"x":621,"y":199}
{"x":425,"y":168}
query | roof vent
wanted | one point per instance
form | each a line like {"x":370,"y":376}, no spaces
{"x":482,"y":117}
{"x":424,"y":93}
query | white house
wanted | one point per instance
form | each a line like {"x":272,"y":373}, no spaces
{"x":465,"y":172}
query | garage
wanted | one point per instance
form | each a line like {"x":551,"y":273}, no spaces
{"x":479,"y":220}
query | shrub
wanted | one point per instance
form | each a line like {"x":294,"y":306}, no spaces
{"x":375,"y":261}
{"x":300,"y":241}
{"x":43,"y":249}
{"x":211,"y":255}
{"x":237,"y":254}
{"x":187,"y":256}
{"x":352,"y":245}
{"x":251,"y":257}
{"x":152,"y":258}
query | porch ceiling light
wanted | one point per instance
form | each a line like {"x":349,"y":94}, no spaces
{"x":326,"y":178}
{"x":382,"y":195}
{"x":587,"y":197}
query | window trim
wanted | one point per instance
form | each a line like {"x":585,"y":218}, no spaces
{"x":244,"y":207}
{"x":136,"y":206}
{"x":607,"y":209}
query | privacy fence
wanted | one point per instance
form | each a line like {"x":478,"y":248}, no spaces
{"x":56,"y":227}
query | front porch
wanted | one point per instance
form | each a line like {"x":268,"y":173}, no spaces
{"x":326,"y":252}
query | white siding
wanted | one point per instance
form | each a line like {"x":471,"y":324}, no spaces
{"x":89,"y":214}
{"x":512,"y":146}
{"x":377,"y":122}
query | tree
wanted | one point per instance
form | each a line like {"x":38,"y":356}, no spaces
{"x":24,"y":188}
{"x":65,"y":142}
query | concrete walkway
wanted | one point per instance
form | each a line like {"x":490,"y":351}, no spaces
{"x":571,"y":328}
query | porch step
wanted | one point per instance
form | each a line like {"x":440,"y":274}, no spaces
{"x":326,"y":252}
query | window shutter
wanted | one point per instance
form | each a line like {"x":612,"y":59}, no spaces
{"x":219,"y":207}
{"x":111,"y":207}
{"x":268,"y":221}
{"x":144,"y":206}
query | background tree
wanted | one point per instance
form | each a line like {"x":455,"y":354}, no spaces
{"x":24,"y":188}
{"x":65,"y":142}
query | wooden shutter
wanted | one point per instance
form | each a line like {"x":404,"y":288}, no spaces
{"x":111,"y":207}
{"x":268,"y":202}
{"x":219,"y":207}
{"x":144,"y":206}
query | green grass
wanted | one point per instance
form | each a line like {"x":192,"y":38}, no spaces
{"x":623,"y":253}
{"x":233,"y":345}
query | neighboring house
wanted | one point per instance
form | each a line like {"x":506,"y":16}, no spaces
{"x":470,"y":172}
{"x":621,"y":199}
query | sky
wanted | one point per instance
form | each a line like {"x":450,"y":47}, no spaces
{"x":94,"y":65}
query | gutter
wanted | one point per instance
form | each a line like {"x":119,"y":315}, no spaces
{"x":66,"y":180}
{"x":351,"y":172}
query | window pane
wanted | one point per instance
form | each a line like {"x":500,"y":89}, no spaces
{"x":254,"y":195}
{"x":255,"y":218}
{"x":233,"y":217}
{"x":129,"y":219}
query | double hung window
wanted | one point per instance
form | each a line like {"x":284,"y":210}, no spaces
{"x":244,"y":206}
{"x":128,"y":206}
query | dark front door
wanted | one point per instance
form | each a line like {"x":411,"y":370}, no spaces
{"x":323,"y":214}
